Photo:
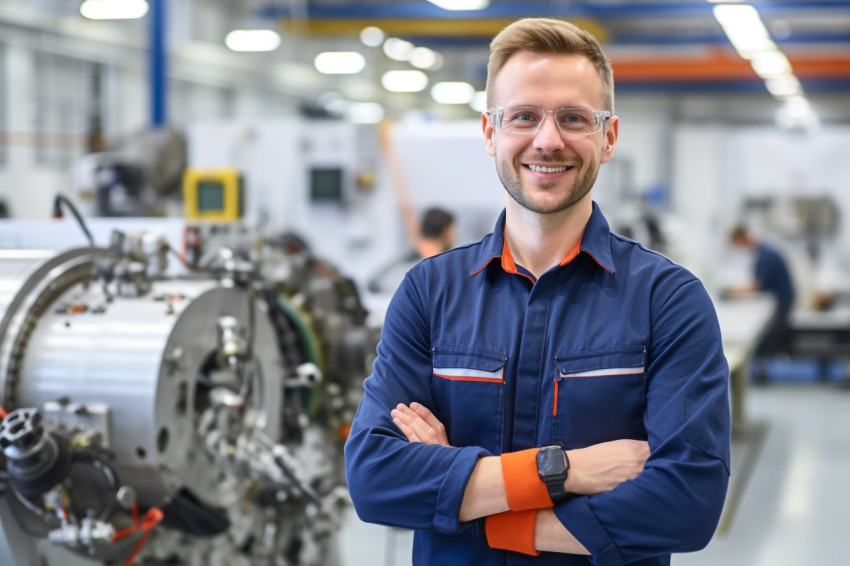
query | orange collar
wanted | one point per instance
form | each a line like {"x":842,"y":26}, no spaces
{"x":509,"y":265}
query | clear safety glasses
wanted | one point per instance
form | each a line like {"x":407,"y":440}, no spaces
{"x":526,"y":120}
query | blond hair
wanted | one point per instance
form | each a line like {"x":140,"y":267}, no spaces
{"x":544,"y":35}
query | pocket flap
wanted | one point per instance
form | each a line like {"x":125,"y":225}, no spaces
{"x":623,"y":360}
{"x":468,"y":365}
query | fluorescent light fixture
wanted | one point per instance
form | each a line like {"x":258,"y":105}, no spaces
{"x":745,"y":30}
{"x":398,"y":49}
{"x":337,"y":106}
{"x":784,"y":86}
{"x":771,"y":64}
{"x":339,"y":62}
{"x":479,"y":101}
{"x":372,"y":36}
{"x":461,"y":4}
{"x":452,"y":93}
{"x":252,"y":40}
{"x":797,"y":113}
{"x":423,"y":58}
{"x":798,"y":105}
{"x":365,"y":113}
{"x":114,"y":9}
{"x":404,"y":81}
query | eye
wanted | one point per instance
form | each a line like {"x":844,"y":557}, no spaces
{"x":521,"y":116}
{"x":575,"y":117}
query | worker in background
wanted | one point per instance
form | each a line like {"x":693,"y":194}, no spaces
{"x":429,"y":235}
{"x":434,"y":233}
{"x":770,"y":275}
{"x":554,"y":393}
{"x":437,"y":233}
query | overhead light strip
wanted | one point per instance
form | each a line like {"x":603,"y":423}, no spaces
{"x":750,"y":38}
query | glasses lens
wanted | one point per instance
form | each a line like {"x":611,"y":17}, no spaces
{"x":522,"y":119}
{"x":576,"y":121}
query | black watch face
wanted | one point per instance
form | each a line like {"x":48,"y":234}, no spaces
{"x":551,"y":462}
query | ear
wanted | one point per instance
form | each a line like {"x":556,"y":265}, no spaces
{"x":489,"y":132}
{"x":612,"y":131}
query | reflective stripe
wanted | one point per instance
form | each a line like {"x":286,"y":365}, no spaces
{"x":467,"y":374}
{"x":606,"y":371}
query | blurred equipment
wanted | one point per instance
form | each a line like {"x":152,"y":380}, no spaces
{"x":193,"y":420}
{"x":215,"y":195}
{"x":137,"y":176}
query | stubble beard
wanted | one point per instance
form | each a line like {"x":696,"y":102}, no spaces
{"x":579,"y":189}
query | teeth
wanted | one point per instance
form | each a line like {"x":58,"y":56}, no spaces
{"x":538,"y":169}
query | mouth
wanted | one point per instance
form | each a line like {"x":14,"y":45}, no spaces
{"x":547,"y":169}
{"x":543,"y":169}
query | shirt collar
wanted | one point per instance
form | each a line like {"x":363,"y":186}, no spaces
{"x":596,"y":242}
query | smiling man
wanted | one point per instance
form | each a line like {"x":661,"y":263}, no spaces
{"x":555,"y":393}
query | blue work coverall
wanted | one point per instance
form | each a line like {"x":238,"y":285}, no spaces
{"x":617,"y":343}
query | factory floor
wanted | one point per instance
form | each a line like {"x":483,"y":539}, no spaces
{"x":788,"y":502}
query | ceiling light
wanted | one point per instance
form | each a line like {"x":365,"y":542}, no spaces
{"x":365,"y":113}
{"x":797,"y":113}
{"x":423,"y":58}
{"x":784,"y":86}
{"x":461,"y":4}
{"x":745,"y":30}
{"x":339,"y":62}
{"x":114,"y":9}
{"x":479,"y":101}
{"x":404,"y":81}
{"x":372,"y":36}
{"x":398,"y":49}
{"x":452,"y":92}
{"x":771,"y":64}
{"x":337,"y":106}
{"x":252,"y":40}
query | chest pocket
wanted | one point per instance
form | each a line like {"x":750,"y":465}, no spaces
{"x":469,"y":389}
{"x":599,"y":395}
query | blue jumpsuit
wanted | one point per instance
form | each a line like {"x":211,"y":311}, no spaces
{"x":617,"y":343}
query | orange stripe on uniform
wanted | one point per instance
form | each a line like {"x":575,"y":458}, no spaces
{"x":470,"y":378}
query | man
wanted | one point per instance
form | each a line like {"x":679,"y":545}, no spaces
{"x":436,"y":235}
{"x":770,"y":275}
{"x":549,"y":330}
{"x":438,"y":232}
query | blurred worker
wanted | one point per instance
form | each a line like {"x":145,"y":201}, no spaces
{"x":553,"y":390}
{"x":434,"y":233}
{"x":438,"y":232}
{"x":770,"y":275}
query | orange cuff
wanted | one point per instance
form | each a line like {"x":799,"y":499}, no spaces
{"x":523,"y":487}
{"x":513,"y":530}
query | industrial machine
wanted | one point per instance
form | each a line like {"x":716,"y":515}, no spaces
{"x":156,"y":419}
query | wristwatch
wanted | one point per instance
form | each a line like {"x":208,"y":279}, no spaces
{"x":552,"y":467}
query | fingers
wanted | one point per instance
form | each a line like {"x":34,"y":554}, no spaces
{"x":418,"y":424}
{"x":437,"y":427}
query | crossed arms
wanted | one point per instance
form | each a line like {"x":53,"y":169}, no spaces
{"x":593,"y":470}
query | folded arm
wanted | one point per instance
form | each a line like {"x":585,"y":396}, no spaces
{"x":593,"y":470}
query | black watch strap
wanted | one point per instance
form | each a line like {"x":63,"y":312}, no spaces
{"x":555,"y":486}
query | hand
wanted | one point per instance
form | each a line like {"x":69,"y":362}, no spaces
{"x":604,"y":466}
{"x":419,"y":424}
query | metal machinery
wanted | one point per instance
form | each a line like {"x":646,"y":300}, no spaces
{"x":193,"y":419}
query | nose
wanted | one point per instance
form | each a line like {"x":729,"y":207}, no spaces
{"x":548,"y":138}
